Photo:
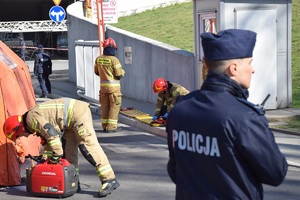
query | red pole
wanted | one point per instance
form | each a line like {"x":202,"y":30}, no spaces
{"x":101,"y":31}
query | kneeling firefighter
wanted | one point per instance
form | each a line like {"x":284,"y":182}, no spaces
{"x":67,"y":121}
{"x":168,"y":94}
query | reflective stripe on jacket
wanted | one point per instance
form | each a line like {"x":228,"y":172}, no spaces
{"x":109,"y":69}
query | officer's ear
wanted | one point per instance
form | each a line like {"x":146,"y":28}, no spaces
{"x":232,"y":68}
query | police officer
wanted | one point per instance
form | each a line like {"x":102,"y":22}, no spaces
{"x":67,"y":120}
{"x":220,"y":145}
{"x":42,"y":69}
{"x":108,"y":67}
{"x":168,"y":94}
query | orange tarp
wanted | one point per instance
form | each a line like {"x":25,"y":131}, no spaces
{"x":16,"y":97}
{"x":7,"y":149}
{"x":22,"y":75}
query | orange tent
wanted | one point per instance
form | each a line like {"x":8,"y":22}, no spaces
{"x":16,"y":97}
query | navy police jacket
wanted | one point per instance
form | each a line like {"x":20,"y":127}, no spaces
{"x":42,"y":64}
{"x":220,"y":146}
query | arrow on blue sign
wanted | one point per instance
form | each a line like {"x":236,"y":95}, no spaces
{"x":57,"y":13}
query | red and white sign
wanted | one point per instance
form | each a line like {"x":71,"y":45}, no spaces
{"x":109,"y":8}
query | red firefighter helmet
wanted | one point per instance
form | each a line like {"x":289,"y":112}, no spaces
{"x":109,"y":42}
{"x":159,"y":85}
{"x":13,"y":127}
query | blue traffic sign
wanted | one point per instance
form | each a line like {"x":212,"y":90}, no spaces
{"x":57,"y":13}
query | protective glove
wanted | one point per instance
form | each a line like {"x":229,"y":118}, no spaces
{"x":154,"y":117}
{"x":165,"y":115}
{"x":54,"y":160}
{"x":38,"y":159}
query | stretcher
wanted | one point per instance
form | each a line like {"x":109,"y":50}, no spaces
{"x":143,"y":117}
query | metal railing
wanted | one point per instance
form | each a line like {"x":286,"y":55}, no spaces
{"x":33,"y":26}
{"x":88,"y":84}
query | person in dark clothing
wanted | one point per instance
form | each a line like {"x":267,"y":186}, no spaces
{"x":220,"y":145}
{"x":42,"y":69}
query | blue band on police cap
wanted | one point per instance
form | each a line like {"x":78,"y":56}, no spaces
{"x":228,"y":44}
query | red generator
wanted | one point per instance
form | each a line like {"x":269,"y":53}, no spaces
{"x":52,"y":180}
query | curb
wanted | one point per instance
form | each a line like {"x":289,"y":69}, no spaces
{"x":58,"y":74}
{"x":293,"y":163}
{"x":285,"y":131}
{"x":159,"y":131}
{"x":96,"y":109}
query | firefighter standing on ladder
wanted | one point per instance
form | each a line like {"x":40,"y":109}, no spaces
{"x":110,"y":71}
{"x":69,"y":121}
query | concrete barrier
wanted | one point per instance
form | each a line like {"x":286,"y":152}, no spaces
{"x":150,"y":58}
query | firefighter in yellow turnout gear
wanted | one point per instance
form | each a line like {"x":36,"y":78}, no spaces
{"x":168,"y":94}
{"x":108,"y":67}
{"x":67,"y":120}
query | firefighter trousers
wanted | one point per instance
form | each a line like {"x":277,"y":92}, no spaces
{"x":81,"y":132}
{"x":110,"y":106}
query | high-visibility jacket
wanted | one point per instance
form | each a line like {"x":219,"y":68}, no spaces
{"x":169,"y":97}
{"x":110,"y":71}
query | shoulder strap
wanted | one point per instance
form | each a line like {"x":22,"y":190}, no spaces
{"x":254,"y":107}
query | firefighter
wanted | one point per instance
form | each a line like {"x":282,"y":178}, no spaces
{"x":43,"y":69}
{"x":168,"y":94}
{"x":107,"y":66}
{"x":70,"y":121}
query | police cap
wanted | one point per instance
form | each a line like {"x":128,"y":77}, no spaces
{"x":228,"y":44}
{"x":40,"y":46}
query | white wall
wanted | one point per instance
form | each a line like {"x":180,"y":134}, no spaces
{"x":271,"y":19}
{"x":128,"y":7}
{"x":150,"y":59}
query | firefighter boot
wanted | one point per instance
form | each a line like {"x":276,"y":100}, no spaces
{"x":107,"y":187}
{"x":118,"y":129}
